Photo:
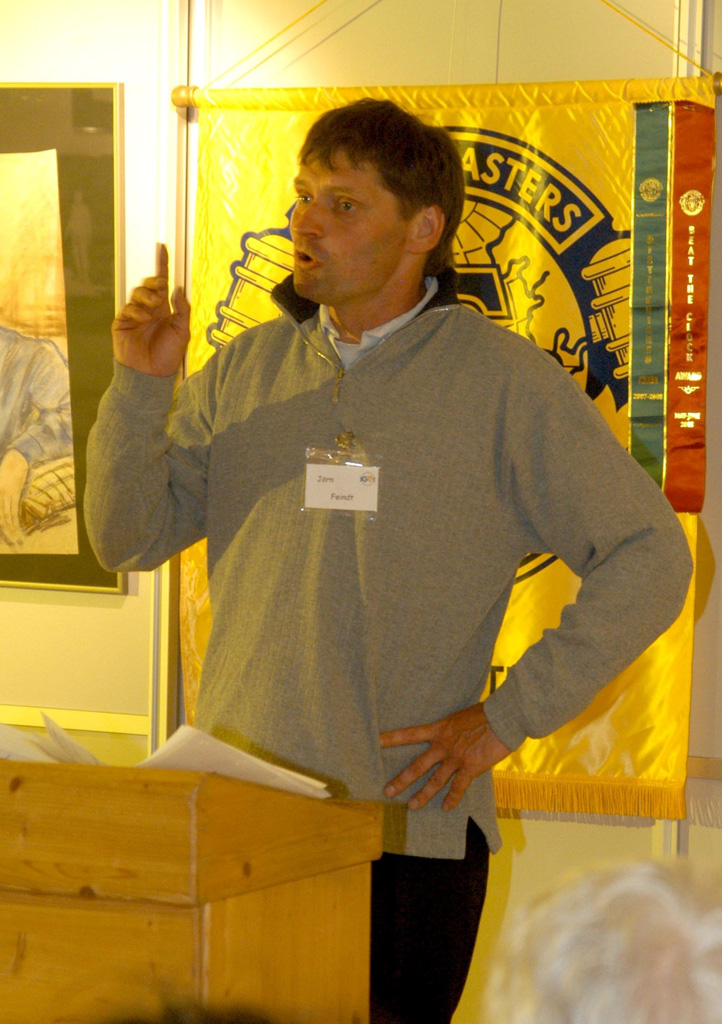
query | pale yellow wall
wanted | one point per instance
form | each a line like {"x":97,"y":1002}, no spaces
{"x":71,"y":651}
{"x":96,"y":652}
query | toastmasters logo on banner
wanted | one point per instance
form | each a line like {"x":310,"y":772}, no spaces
{"x":548,"y":247}
{"x":520,"y":199}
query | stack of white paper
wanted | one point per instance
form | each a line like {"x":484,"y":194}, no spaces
{"x":188,"y":749}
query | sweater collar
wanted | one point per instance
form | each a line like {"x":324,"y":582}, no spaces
{"x":285,"y":296}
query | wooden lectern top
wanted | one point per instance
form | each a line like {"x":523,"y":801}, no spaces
{"x":168,"y":836}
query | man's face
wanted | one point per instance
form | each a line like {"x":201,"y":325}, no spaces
{"x":352,"y":244}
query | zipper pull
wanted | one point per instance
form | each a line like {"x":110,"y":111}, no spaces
{"x":339,"y":377}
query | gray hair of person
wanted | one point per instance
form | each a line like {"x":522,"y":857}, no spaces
{"x":418,"y":162}
{"x":640,"y":944}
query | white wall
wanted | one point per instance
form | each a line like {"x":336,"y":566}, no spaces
{"x":419,"y":42}
{"x":99,"y":652}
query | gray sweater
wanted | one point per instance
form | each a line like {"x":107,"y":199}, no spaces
{"x":329,"y":628}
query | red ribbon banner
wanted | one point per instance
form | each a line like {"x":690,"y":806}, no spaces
{"x":691,"y":194}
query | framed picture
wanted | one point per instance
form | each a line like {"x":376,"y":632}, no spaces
{"x":59,"y":285}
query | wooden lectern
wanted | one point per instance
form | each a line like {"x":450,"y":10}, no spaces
{"x":124,"y":888}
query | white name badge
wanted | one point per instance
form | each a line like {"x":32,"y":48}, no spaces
{"x":352,"y":487}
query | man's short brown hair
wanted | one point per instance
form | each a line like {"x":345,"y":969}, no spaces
{"x":419,"y":163}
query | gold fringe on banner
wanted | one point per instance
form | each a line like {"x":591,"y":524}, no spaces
{"x":580,"y":794}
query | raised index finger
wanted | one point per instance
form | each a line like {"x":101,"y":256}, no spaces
{"x":161,"y":260}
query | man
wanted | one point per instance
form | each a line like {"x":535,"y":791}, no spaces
{"x":639,"y":943}
{"x":352,"y":641}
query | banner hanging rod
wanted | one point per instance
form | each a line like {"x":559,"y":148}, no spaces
{"x":185,"y":96}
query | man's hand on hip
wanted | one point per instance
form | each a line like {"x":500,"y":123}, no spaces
{"x":150,"y":335}
{"x":462,"y":745}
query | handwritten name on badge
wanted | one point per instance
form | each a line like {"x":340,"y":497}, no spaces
{"x":347,"y":487}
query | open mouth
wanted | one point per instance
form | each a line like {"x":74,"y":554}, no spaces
{"x":304,"y":259}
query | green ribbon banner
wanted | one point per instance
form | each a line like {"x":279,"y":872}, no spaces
{"x":649,"y":288}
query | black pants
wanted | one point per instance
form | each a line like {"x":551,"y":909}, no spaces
{"x":424,"y":919}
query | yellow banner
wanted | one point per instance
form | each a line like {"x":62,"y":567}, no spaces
{"x":544,"y":249}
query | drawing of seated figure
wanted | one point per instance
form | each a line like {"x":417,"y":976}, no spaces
{"x":37,"y":486}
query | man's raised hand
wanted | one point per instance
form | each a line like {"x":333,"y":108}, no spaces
{"x":151,"y":334}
